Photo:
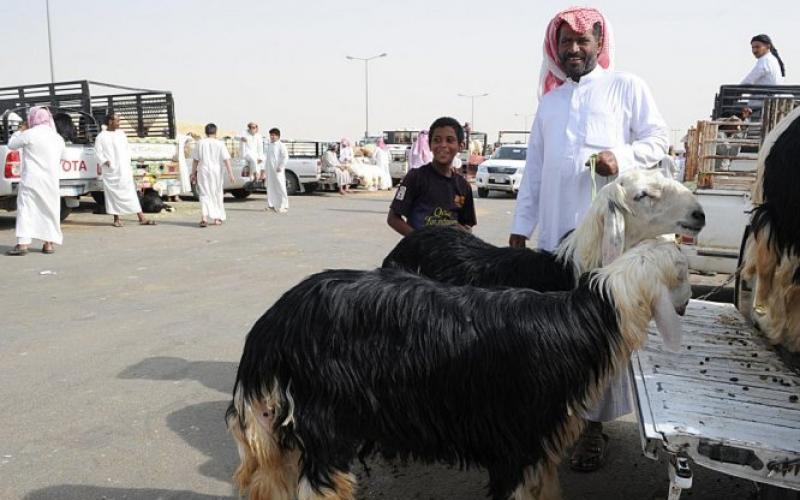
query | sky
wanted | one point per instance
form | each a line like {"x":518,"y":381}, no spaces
{"x":284,"y":64}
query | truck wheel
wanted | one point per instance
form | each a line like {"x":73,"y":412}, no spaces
{"x":65,"y":210}
{"x":240,"y":194}
{"x":483,"y":192}
{"x":292,"y":184}
{"x":743,"y":290}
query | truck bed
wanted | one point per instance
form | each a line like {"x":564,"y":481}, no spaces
{"x":727,"y":400}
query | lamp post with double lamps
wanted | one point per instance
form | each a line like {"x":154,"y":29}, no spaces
{"x":366,"y":85}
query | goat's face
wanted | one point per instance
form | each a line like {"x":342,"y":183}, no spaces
{"x":658,"y":205}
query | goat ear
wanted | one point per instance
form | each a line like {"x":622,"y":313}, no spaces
{"x":613,"y":233}
{"x":667,"y":321}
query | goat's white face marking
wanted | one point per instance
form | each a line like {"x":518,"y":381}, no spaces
{"x":660,"y":205}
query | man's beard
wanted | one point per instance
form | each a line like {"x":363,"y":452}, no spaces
{"x":589,"y":63}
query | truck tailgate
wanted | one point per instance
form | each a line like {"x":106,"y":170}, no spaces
{"x":726,"y":400}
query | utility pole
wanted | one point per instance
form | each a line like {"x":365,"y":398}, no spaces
{"x":366,"y":86}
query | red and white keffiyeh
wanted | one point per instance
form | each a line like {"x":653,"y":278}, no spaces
{"x":581,"y":20}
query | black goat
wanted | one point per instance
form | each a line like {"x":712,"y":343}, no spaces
{"x":638,"y":205}
{"x":348,"y":363}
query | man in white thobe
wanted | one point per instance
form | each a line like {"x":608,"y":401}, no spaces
{"x":252,"y":150}
{"x":586,"y":110}
{"x":114,"y":155}
{"x":277,"y":158}
{"x":209,"y":157}
{"x":331,"y":163}
{"x":38,"y":195}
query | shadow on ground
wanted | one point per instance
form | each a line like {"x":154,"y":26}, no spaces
{"x":203,"y":428}
{"x":81,"y":492}
{"x":218,"y":375}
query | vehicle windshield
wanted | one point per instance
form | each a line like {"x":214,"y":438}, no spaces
{"x":399,"y":137}
{"x":510,"y":153}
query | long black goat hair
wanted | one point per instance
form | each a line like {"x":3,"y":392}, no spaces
{"x":779,"y":215}
{"x":352,"y":362}
{"x":639,"y":205}
{"x":452,"y":255}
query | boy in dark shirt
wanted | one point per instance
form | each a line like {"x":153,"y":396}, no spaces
{"x":434,"y":194}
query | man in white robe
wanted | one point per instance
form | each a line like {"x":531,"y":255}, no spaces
{"x":277,"y":158}
{"x":209,"y":157}
{"x":381,"y":159}
{"x":114,"y":155}
{"x":252,"y":150}
{"x":331,"y":163}
{"x":38,"y":194}
{"x":586,"y":110}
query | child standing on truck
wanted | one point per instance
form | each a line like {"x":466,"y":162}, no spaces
{"x":434,"y":194}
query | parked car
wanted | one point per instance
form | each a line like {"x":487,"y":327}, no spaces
{"x":502,"y":171}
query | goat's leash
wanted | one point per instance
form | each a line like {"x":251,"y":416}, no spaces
{"x":592,"y":164}
{"x":722,"y":285}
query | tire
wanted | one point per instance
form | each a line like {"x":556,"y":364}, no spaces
{"x":292,"y":184}
{"x":483,"y":192}
{"x":240,"y":194}
{"x":65,"y":210}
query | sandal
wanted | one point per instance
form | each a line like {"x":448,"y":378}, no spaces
{"x":589,"y":453}
{"x":117,"y":223}
{"x":148,"y":222}
{"x":17,"y":251}
{"x":203,"y":223}
{"x":48,"y":249}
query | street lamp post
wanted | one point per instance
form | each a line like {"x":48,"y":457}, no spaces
{"x":472,"y":99}
{"x":366,"y":86}
{"x":50,"y":42}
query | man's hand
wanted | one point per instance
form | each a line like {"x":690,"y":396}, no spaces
{"x":606,"y":164}
{"x":517,"y":241}
{"x":232,"y":178}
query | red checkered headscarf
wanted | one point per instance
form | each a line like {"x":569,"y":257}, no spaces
{"x":581,"y":20}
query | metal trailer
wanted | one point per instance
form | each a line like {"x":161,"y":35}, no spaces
{"x":145,"y":113}
{"x":727,"y":401}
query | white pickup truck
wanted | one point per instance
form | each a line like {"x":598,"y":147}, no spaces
{"x":502,"y":171}
{"x":148,"y":121}
{"x":303,"y":170}
{"x":78,"y":176}
{"x":399,"y":142}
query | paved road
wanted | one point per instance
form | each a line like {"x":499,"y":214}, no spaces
{"x":118,"y":352}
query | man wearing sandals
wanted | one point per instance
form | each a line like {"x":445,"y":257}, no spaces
{"x":114,"y":155}
{"x":38,"y":197}
{"x":585,"y":111}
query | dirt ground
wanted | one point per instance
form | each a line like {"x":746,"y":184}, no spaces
{"x":118,"y":353}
